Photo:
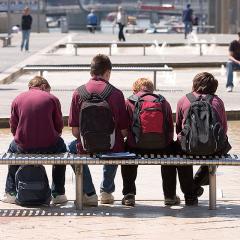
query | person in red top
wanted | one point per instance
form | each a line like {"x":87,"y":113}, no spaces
{"x":203,"y":83}
{"x":36,"y":124}
{"x":129,"y":172}
{"x":101,"y":71}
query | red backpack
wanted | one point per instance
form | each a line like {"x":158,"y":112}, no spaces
{"x":149,"y":125}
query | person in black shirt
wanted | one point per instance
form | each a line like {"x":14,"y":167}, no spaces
{"x":233,"y":62}
{"x":26,"y":28}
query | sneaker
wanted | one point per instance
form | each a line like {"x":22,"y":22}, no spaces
{"x":90,"y":200}
{"x":191,"y":202}
{"x":129,"y":200}
{"x":229,"y":89}
{"x":9,"y":197}
{"x":172,"y":201}
{"x":59,"y":199}
{"x":199,"y":191}
{"x":106,"y":198}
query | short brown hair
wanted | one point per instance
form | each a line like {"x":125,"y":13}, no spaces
{"x":143,"y":84}
{"x":205,"y":83}
{"x":100,"y":64}
{"x":39,"y":81}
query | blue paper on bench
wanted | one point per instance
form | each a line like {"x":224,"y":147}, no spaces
{"x":119,"y":155}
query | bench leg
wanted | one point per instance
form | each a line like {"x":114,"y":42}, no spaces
{"x":76,"y":51}
{"x":79,"y":186}
{"x":200,"y":46}
{"x":212,"y":188}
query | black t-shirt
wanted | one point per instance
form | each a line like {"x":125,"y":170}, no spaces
{"x":26,"y":22}
{"x":234,"y":47}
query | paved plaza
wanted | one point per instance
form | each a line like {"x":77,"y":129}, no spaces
{"x":150,"y":219}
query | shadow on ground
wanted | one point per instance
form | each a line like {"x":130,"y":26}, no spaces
{"x":228,"y":209}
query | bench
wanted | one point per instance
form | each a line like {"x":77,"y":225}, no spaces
{"x":76,"y":68}
{"x":110,"y":45}
{"x":6,"y":39}
{"x":79,"y":160}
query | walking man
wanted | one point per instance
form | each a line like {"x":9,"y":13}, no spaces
{"x":187,"y":18}
{"x":26,"y":28}
{"x":122,"y":22}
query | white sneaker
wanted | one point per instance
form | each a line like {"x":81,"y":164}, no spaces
{"x":229,"y":89}
{"x":9,"y":198}
{"x":90,"y":200}
{"x":59,"y":199}
{"x":106,"y":198}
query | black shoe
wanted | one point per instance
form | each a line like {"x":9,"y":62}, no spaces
{"x":199,"y":191}
{"x":172,"y":201}
{"x":129,"y":200}
{"x":191,"y":202}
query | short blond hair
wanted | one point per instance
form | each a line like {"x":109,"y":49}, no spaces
{"x":39,"y":81}
{"x":143,"y":84}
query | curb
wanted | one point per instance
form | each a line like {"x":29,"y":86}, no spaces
{"x":231,"y":116}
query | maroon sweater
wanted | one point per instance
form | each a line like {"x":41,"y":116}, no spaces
{"x":36,"y":119}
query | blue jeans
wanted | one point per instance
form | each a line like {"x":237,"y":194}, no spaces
{"x":58,"y":171}
{"x":25,"y":39}
{"x":187,"y":28}
{"x":109,"y":173}
{"x":231,"y":66}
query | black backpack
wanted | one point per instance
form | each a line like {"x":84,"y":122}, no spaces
{"x":202,"y":133}
{"x":149,"y":122}
{"x":32,"y":186}
{"x":97,"y":125}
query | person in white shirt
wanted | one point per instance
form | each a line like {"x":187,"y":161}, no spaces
{"x":122,"y":22}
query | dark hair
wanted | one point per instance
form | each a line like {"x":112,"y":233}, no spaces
{"x":205,"y":83}
{"x":188,"y":5}
{"x":100,"y":64}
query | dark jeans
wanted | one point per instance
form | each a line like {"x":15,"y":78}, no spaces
{"x":169,"y":174}
{"x":129,"y":175}
{"x":169,"y":180}
{"x":58,"y":171}
{"x":120,"y":33}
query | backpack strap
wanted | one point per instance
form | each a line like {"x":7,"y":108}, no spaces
{"x":209,"y":98}
{"x":133,"y":98}
{"x":107,"y":91}
{"x":191,"y":97}
{"x":84,"y":94}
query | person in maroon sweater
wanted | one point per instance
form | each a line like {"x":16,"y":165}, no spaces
{"x":36,"y":124}
{"x":129,"y":172}
{"x":203,"y":83}
{"x":101,"y":67}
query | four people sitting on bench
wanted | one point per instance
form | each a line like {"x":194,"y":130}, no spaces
{"x":100,"y":120}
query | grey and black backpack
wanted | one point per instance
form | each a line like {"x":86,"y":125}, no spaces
{"x":202,"y":133}
{"x":97,"y":125}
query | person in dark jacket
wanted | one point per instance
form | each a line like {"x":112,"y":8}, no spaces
{"x":187,"y":18}
{"x":26,"y":28}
